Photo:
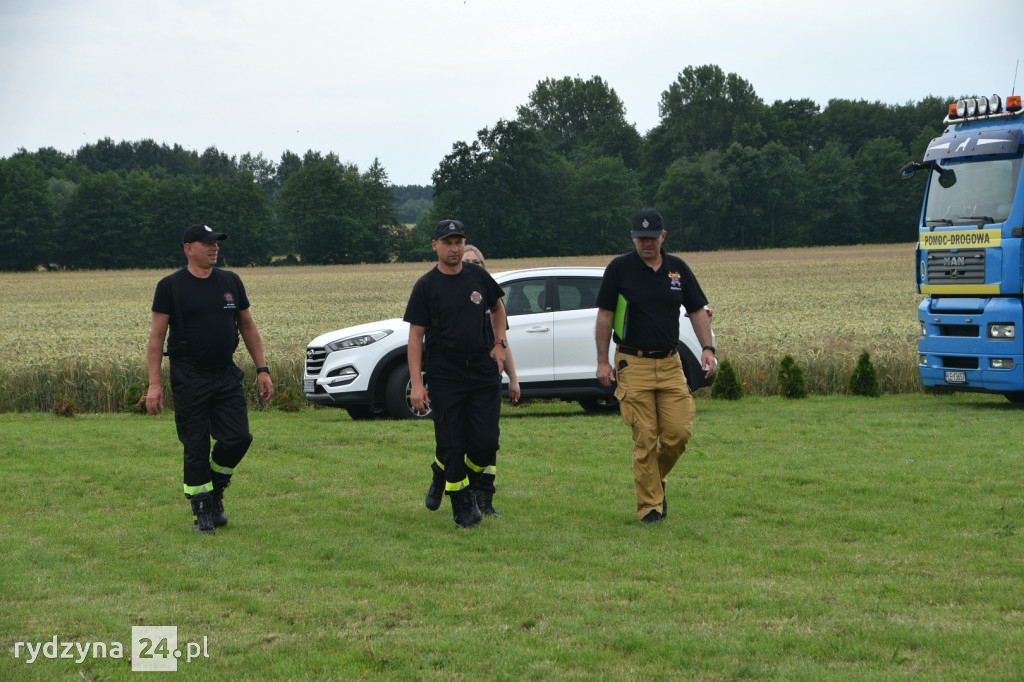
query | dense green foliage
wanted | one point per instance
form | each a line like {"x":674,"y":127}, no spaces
{"x":411,"y":201}
{"x":725,"y":169}
{"x":115,"y":206}
{"x":563,"y":178}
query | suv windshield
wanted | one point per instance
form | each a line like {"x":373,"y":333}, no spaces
{"x":982,"y":192}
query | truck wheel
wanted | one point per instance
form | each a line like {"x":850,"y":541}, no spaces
{"x":396,"y":395}
{"x":1017,"y":397}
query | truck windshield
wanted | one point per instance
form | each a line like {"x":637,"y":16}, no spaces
{"x":982,"y":193}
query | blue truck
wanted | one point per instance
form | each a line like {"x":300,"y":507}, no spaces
{"x":970,"y":251}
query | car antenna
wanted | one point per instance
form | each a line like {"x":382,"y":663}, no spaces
{"x":1014,"y":89}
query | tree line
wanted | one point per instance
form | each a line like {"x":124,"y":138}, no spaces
{"x":726,"y":170}
{"x":562,"y":178}
{"x":125,"y":205}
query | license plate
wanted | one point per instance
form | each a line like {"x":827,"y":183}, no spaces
{"x":956,"y":377}
{"x":309,"y":385}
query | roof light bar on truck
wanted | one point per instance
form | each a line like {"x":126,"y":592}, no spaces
{"x":977,"y":108}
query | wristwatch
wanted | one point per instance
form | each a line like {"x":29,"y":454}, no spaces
{"x":501,"y":342}
{"x":710,"y":348}
{"x":263,"y":369}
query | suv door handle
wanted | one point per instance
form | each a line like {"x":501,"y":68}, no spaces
{"x":537,"y":330}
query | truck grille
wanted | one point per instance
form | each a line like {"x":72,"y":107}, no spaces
{"x":972,"y":331}
{"x":966,"y":266}
{"x":958,"y":362}
{"x":315,"y":360}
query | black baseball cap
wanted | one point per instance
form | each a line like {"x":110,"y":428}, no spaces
{"x":647,"y":224}
{"x":448,"y":228}
{"x":201,"y":233}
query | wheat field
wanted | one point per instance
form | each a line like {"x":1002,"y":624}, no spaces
{"x":82,"y":335}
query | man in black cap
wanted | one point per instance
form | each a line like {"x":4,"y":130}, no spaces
{"x":640,"y":297}
{"x":465,"y":356}
{"x":205,"y":309}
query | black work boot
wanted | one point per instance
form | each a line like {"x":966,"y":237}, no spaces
{"x":474,"y":506}
{"x":220,"y":484}
{"x":653,"y":516}
{"x":202,"y":509}
{"x":435,"y":492}
{"x":664,"y":501}
{"x":485,"y":495}
{"x":471,"y":493}
{"x":462,"y":508}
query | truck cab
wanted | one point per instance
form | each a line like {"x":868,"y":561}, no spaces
{"x":969,"y":251}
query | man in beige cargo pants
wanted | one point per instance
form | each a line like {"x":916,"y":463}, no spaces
{"x":640,"y":297}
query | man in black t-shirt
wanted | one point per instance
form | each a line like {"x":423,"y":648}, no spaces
{"x":205,"y":309}
{"x":447,"y":314}
{"x":640,"y":296}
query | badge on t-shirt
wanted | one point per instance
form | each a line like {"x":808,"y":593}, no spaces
{"x":476,"y":297}
{"x":675,"y":281}
{"x":229,"y":301}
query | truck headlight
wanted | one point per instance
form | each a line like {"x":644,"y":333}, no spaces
{"x":358,"y":341}
{"x":1000,"y":363}
{"x":1001,"y":331}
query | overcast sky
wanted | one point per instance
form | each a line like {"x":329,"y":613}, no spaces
{"x":403,"y":80}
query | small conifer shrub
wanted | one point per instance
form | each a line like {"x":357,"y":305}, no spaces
{"x":791,"y":378}
{"x":726,"y":384}
{"x":864,"y":380}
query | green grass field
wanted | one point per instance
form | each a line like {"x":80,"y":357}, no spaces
{"x":828,"y":538}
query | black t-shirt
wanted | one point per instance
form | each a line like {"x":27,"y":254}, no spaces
{"x":654,"y":298}
{"x":209,"y":308}
{"x":454,"y":308}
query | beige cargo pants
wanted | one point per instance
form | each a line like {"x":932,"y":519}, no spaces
{"x":656,"y":403}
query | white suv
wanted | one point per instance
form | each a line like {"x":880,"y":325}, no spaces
{"x":551,"y":317}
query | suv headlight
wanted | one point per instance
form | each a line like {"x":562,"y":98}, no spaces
{"x":1001,"y":331}
{"x":358,"y":341}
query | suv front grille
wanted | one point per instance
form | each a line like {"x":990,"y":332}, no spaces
{"x":315,"y":358}
{"x":966,"y":266}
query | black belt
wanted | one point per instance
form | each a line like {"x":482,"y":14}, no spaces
{"x":653,"y":354}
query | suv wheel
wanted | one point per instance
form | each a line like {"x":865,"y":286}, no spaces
{"x":609,"y":404}
{"x":361,"y":412}
{"x":396,"y":395}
